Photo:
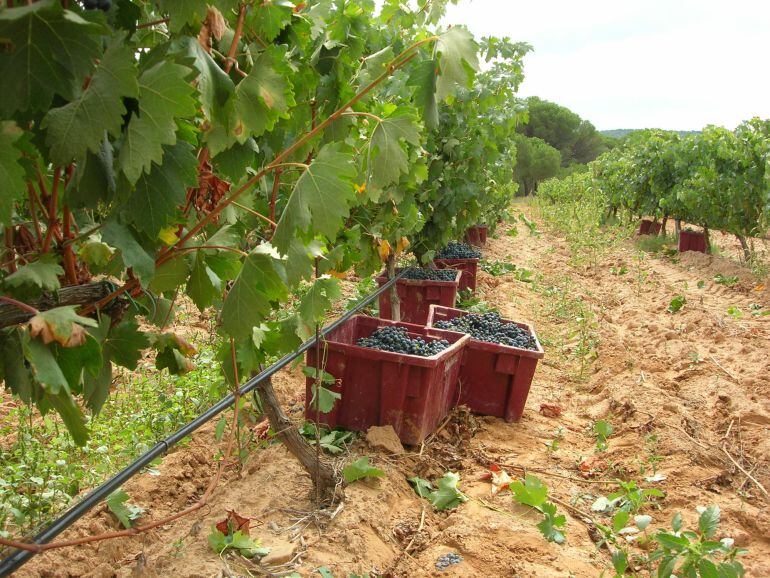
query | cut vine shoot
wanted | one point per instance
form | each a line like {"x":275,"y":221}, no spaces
{"x":397,"y":340}
{"x":491,"y":328}
{"x":458,"y":251}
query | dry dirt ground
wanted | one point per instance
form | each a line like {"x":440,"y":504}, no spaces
{"x":687,"y":392}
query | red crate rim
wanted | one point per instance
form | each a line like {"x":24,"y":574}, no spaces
{"x":383,"y":277}
{"x":485,"y":345}
{"x":455,"y":343}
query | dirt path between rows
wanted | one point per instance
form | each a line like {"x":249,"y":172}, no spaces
{"x":677,"y":388}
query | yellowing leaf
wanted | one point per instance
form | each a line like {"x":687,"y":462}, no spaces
{"x":383,"y":248}
{"x":168,"y":235}
{"x":62,"y":325}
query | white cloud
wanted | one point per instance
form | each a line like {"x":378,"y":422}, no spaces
{"x":675,"y":64}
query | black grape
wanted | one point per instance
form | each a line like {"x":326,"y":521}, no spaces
{"x":395,"y":339}
{"x":458,"y":251}
{"x":420,"y":274}
{"x":490,"y":328}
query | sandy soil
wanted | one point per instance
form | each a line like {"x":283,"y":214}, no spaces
{"x":698,"y":381}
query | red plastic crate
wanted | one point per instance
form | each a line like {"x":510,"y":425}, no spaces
{"x":417,"y":296}
{"x":648,"y":227}
{"x":692,"y":241}
{"x":494,"y":379}
{"x":469,"y":267}
{"x":409,"y":392}
{"x":476,"y":235}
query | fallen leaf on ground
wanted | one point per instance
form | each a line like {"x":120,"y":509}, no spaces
{"x":234,"y":523}
{"x":590,"y":467}
{"x":549,"y":410}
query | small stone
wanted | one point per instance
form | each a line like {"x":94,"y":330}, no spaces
{"x":384,"y":438}
{"x":279,"y":554}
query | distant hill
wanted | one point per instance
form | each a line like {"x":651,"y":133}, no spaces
{"x":621,"y":132}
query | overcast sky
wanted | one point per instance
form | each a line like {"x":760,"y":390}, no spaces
{"x":673,"y":64}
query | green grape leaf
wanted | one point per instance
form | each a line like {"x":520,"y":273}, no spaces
{"x":299,"y":260}
{"x":73,"y":360}
{"x":62,"y":325}
{"x":96,"y":388}
{"x":448,"y":495}
{"x":46,"y":51}
{"x":12,"y":366}
{"x":11,"y":172}
{"x":204,"y":285}
{"x":170,"y":275}
{"x":373,"y":66}
{"x":125,"y":343}
{"x":43,"y":364}
{"x":320,"y":198}
{"x":183,"y":12}
{"x":70,"y":414}
{"x":80,"y":125}
{"x":316,"y":303}
{"x":164,"y":95}
{"x":359,"y":469}
{"x":421,"y":486}
{"x":133,"y":254}
{"x":533,"y":492}
{"x":423,"y":78}
{"x":261,"y":99}
{"x":387,"y":157}
{"x":457,"y":60}
{"x":158,"y":195}
{"x":125,"y":512}
{"x":95,"y":253}
{"x":269,"y":17}
{"x":214,"y":85}
{"x":551,"y":522}
{"x":42,"y":274}
{"x":261,"y":280}
{"x":324,"y":397}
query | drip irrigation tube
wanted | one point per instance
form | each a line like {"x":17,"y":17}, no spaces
{"x":20,"y":557}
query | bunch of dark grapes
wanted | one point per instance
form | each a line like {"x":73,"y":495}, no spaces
{"x":458,"y":251}
{"x":421,"y":274}
{"x":102,"y":5}
{"x":396,"y":339}
{"x":490,"y":328}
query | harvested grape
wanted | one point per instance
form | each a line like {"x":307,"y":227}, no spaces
{"x":421,"y":274}
{"x":395,"y":339}
{"x":458,"y":251}
{"x":491,"y":328}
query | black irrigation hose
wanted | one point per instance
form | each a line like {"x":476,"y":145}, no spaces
{"x":20,"y":557}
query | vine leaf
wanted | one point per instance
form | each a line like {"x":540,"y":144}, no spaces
{"x":388,"y":159}
{"x":361,"y":468}
{"x":42,"y":274}
{"x":164,"y":96}
{"x":204,"y":285}
{"x":133,"y":254}
{"x":423,"y":78}
{"x":447,"y":494}
{"x":44,"y":367}
{"x":261,"y":280}
{"x":213,"y":83}
{"x":320,"y":198}
{"x":183,"y":12}
{"x":157,"y":196}
{"x":11,"y":172}
{"x":316,"y":302}
{"x":79,"y":126}
{"x":262,"y":98}
{"x":62,"y":325}
{"x":47,"y":51}
{"x":457,"y":60}
{"x":125,"y":343}
{"x":270,"y":18}
{"x":70,"y":414}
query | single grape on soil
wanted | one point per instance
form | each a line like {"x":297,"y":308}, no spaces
{"x":395,"y":339}
{"x":491,"y":328}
